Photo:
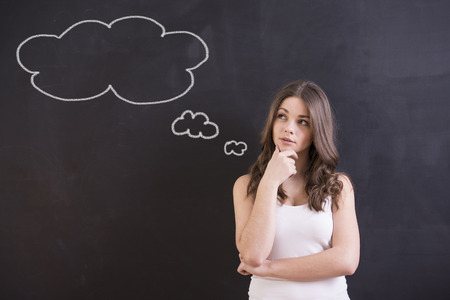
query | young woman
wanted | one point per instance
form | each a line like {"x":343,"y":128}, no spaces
{"x":296,"y":227}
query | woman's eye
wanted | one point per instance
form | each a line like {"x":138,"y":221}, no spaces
{"x":281,"y":116}
{"x":303,"y":122}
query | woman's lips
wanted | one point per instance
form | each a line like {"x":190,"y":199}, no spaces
{"x":287,"y":141}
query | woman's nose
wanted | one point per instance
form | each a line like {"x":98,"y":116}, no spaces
{"x":288,"y":130}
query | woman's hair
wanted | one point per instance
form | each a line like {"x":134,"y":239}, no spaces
{"x":321,"y":177}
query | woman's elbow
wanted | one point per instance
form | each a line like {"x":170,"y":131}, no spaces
{"x":349,"y":265}
{"x":252,"y":256}
{"x":252,"y":259}
{"x":350,"y":268}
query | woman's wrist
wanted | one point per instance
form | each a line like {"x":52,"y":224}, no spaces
{"x":268,"y":183}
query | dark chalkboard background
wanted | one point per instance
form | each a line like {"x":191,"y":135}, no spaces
{"x":100,"y":200}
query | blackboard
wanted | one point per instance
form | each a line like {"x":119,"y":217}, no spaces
{"x":104,"y":198}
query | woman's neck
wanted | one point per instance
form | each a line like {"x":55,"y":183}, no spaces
{"x":294,"y":188}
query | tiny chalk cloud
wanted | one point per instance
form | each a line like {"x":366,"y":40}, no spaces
{"x":235,"y":148}
{"x":134,"y":57}
{"x":195,"y":125}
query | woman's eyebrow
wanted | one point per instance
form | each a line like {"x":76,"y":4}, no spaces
{"x":300,"y":116}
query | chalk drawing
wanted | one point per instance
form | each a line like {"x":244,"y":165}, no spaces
{"x":183,"y":120}
{"x":164,"y":33}
{"x":230,"y":147}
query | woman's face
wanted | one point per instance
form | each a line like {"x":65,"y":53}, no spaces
{"x":292,"y":126}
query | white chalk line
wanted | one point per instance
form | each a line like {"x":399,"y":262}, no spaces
{"x":110,"y":87}
{"x":232,"y":151}
{"x":188,"y":131}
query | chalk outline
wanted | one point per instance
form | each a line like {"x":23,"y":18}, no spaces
{"x":188,"y":131}
{"x":110,"y":87}
{"x":232,"y":151}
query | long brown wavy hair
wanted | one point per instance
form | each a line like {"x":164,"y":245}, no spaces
{"x":321,"y":176}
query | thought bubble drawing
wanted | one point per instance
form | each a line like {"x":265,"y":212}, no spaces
{"x":236,"y":148}
{"x":195,"y":125}
{"x":134,"y":57}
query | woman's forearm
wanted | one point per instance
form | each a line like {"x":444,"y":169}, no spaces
{"x":332,"y":262}
{"x":257,"y":237}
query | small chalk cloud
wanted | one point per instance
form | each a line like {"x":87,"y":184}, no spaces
{"x":133,"y":57}
{"x":235,"y":148}
{"x":195,"y":125}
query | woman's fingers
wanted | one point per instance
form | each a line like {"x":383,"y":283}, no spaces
{"x":289,"y":153}
{"x":241,"y":270}
{"x":282,"y":165}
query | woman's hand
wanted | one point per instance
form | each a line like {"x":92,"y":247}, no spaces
{"x":245,"y":269}
{"x":281,"y":166}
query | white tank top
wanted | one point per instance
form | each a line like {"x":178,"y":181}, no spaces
{"x":300,"y":231}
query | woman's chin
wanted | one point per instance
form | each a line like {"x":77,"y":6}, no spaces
{"x":284,"y":147}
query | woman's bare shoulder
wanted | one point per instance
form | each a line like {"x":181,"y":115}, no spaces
{"x":347,"y":193}
{"x":244,"y":179}
{"x":346,"y":182}
{"x":240,"y":186}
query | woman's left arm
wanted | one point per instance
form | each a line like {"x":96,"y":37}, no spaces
{"x":341,"y":259}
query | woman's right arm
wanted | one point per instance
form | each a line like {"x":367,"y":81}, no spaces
{"x":255,"y":217}
{"x":255,"y":220}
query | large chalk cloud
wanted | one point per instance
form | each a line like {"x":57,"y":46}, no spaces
{"x":134,"y":57}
